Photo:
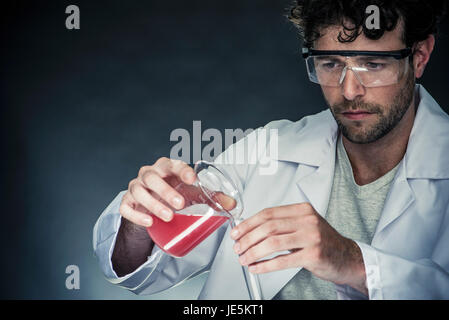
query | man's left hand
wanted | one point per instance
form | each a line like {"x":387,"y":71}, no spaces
{"x":312,"y":242}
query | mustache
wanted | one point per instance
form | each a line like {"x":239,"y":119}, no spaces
{"x":347,"y":105}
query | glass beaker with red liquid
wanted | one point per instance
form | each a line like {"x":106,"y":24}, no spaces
{"x":210,"y":201}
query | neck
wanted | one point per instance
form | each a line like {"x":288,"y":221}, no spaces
{"x":372,"y":160}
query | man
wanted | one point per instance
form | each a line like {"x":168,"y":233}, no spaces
{"x":359,"y":204}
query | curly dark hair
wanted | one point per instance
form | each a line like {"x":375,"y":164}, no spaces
{"x":420,"y":17}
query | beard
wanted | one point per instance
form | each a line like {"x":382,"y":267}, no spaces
{"x":388,"y":116}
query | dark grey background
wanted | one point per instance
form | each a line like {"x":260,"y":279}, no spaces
{"x":83,"y":110}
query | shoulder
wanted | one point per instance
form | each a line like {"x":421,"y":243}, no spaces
{"x":310,"y":122}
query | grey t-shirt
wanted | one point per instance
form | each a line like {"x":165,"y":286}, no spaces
{"x":354,"y":212}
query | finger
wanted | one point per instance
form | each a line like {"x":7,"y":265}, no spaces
{"x":228,"y":203}
{"x":267,"y":229}
{"x":154,"y":182}
{"x":261,"y":217}
{"x":306,"y":227}
{"x":142,"y":196}
{"x":177,"y":168}
{"x":280,"y":262}
{"x":216,"y":200}
{"x":269,"y":246}
{"x":128,"y":212}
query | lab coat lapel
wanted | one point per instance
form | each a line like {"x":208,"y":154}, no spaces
{"x":312,"y":147}
{"x":317,"y":185}
{"x":399,"y":198}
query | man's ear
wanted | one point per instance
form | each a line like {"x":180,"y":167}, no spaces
{"x":421,"y":56}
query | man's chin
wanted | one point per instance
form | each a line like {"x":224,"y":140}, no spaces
{"x":359,"y":135}
{"x":360,"y":132}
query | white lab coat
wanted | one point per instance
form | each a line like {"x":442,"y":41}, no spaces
{"x":408,"y":257}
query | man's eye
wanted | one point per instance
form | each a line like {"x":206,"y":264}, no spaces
{"x":329,"y":66}
{"x":374,"y":65}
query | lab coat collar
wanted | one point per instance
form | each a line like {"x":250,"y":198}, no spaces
{"x":427,"y":150}
{"x":311,"y":140}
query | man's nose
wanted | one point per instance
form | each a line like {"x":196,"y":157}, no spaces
{"x":351,"y":86}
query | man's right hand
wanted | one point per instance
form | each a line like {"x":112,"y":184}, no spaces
{"x":133,"y":244}
{"x":153,"y":183}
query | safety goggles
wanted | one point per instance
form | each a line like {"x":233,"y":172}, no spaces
{"x":371,"y":68}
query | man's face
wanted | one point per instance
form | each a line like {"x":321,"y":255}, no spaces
{"x":365,"y":115}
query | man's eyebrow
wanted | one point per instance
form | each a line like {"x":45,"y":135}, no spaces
{"x":368,"y":58}
{"x":331,"y":58}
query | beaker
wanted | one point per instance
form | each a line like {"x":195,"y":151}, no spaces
{"x":209,"y":202}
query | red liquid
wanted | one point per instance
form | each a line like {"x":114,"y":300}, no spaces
{"x":163,"y":232}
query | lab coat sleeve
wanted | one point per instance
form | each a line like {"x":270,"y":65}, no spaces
{"x":391,"y":277}
{"x":160,"y":271}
